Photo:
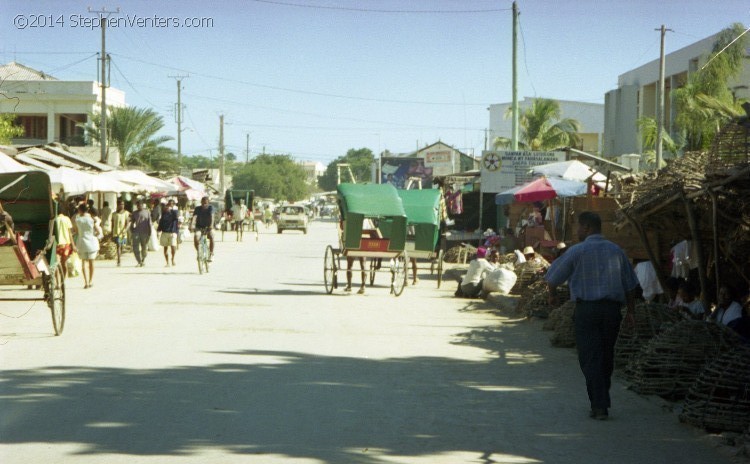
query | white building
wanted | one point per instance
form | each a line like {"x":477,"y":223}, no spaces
{"x":636,"y":95}
{"x":50,"y":110}
{"x":313,"y":170}
{"x":590,"y":115}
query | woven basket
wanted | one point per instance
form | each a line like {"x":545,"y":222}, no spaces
{"x":108,"y":250}
{"x":720,"y":398}
{"x":528,"y":273}
{"x":671,"y":361}
{"x":565,"y":334}
{"x":731,"y":147}
{"x":650,"y":320}
{"x":534,"y":299}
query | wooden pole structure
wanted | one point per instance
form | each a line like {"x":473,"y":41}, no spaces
{"x":695,"y":234}
{"x":715,"y":226}
{"x":647,"y":246}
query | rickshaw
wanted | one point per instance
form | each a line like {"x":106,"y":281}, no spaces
{"x":372,"y":225}
{"x":27,"y":197}
{"x":423,"y":228}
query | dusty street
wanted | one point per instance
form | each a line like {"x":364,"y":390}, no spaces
{"x":254,"y":363}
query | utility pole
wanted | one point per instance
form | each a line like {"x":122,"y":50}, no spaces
{"x":221,"y":154}
{"x":660,"y":96}
{"x":103,"y":15}
{"x":178,"y":116}
{"x":247,"y":148}
{"x":514,"y":104}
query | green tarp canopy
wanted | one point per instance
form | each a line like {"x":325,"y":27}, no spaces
{"x":27,"y":197}
{"x":370,"y":200}
{"x":421,"y":206}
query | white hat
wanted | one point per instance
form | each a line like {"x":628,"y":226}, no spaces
{"x":561,"y":245}
{"x":488,"y":232}
{"x":528,"y":250}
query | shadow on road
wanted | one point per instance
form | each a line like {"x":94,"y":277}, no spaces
{"x":328,"y":408}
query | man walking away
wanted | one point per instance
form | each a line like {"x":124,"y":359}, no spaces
{"x":601,"y":280}
{"x":140,"y":224}
{"x":120,"y":221}
{"x":239,"y":211}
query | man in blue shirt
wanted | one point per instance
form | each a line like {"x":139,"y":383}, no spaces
{"x":601,"y":281}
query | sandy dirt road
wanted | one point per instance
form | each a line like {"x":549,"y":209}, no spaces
{"x":254,"y":363}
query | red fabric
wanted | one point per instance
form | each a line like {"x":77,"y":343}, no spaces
{"x":537,"y":190}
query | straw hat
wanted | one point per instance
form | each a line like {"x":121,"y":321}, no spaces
{"x":528,"y":250}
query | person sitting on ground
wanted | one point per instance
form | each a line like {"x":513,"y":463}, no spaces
{"x":690,"y":303}
{"x":728,"y":310}
{"x":471,"y":284}
{"x":673,"y":286}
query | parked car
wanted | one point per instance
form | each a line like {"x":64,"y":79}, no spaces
{"x":292,"y":217}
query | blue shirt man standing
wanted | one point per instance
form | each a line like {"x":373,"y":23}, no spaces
{"x":601,"y":281}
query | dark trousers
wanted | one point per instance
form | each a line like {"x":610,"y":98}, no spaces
{"x":597,"y":324}
{"x":140,"y":246}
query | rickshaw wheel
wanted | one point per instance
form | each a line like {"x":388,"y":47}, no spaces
{"x":329,"y":270}
{"x":398,"y":275}
{"x":440,"y":268}
{"x":55,"y":293}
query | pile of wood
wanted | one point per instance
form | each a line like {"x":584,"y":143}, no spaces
{"x":564,"y":335}
{"x":529,"y":272}
{"x":671,"y":361}
{"x":720,"y":398}
{"x":452,"y":254}
{"x":650,"y":320}
{"x":534,"y":299}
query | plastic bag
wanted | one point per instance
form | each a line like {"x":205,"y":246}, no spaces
{"x":153,"y":240}
{"x":500,"y":280}
{"x":75,"y":265}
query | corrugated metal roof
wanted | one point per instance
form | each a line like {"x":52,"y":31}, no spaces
{"x":17,"y":72}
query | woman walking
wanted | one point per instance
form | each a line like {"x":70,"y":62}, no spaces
{"x":86,"y":243}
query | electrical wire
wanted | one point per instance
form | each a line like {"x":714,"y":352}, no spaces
{"x":525,"y":63}
{"x":299,"y":91}
{"x":374,"y":10}
{"x":119,"y":71}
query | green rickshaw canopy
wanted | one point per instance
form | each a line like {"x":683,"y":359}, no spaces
{"x":370,"y":200}
{"x":421,"y":206}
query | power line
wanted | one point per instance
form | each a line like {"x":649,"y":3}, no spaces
{"x":299,"y":91}
{"x":525,"y":63}
{"x":374,"y":10}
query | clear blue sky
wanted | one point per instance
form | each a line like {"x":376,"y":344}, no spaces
{"x":314,"y":78}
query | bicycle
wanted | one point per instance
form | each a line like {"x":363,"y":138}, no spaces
{"x":204,"y":252}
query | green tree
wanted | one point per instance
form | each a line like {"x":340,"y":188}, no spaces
{"x":360,"y":161}
{"x":706,"y":102}
{"x":272,"y":176}
{"x":9,"y":129}
{"x":134,"y":132}
{"x":543,"y":128}
{"x":647,"y":128}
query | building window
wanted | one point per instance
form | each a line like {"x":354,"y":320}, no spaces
{"x":34,"y":127}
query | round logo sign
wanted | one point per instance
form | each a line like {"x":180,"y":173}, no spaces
{"x":491,"y":161}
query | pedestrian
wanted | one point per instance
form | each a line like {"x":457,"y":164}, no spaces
{"x":106,"y":217}
{"x":140,"y":228}
{"x":169,"y":226}
{"x":601,"y":281}
{"x":65,"y":244}
{"x":239,"y":211}
{"x":86,"y":243}
{"x":119,"y":226}
{"x":268,"y":216}
{"x":155,"y":211}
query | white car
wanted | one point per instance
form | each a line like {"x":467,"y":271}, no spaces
{"x":292,"y":217}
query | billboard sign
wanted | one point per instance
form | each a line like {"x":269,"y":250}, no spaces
{"x":503,"y":170}
{"x":397,"y":171}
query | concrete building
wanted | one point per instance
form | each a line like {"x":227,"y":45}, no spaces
{"x":313,"y":170}
{"x":636,"y":95}
{"x":50,"y":110}
{"x":590,"y":115}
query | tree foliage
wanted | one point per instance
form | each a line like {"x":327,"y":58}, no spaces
{"x":648,"y":130}
{"x":134,"y":132}
{"x":9,"y":129}
{"x":360,"y":161}
{"x":272,"y":176}
{"x":706,"y":102}
{"x":543,"y":128}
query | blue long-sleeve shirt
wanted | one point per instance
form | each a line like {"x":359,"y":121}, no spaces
{"x":595,"y":269}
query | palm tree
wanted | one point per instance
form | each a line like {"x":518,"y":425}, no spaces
{"x":647,"y":128}
{"x":133,"y":131}
{"x":543,"y":129}
{"x":705,"y":103}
